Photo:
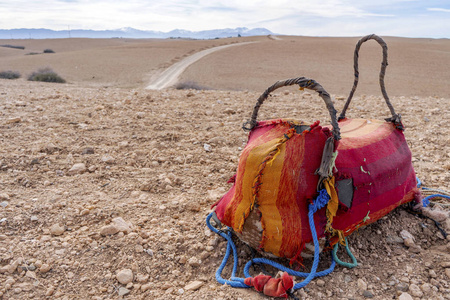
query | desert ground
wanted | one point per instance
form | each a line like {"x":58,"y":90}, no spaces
{"x":105,"y":185}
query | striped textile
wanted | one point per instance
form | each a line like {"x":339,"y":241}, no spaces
{"x":275,"y":181}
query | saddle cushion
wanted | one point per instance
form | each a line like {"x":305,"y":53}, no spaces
{"x":267,"y":206}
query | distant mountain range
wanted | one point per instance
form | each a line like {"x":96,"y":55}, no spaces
{"x":128,"y":32}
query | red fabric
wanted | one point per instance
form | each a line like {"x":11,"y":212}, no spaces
{"x":273,"y":287}
{"x":372,"y":153}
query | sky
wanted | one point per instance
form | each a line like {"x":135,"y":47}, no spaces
{"x":407,"y":18}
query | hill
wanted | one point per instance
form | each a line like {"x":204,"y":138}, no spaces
{"x":42,"y":33}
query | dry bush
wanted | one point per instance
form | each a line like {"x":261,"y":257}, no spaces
{"x":9,"y":75}
{"x":49,"y":51}
{"x":46,"y":75}
{"x":190,"y":85}
{"x":14,"y":47}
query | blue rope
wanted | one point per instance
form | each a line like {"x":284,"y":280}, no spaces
{"x":426,"y":200}
{"x":234,"y":281}
{"x":320,"y":202}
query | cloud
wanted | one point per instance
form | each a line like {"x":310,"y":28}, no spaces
{"x":439,"y":9}
{"x":320,"y":17}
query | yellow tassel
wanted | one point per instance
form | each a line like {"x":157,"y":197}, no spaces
{"x":333,"y":204}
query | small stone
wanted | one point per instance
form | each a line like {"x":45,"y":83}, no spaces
{"x":121,"y":225}
{"x":415,"y":290}
{"x":182,"y":260}
{"x":229,"y":111}
{"x":347,"y":278}
{"x":447,"y":272}
{"x":57,"y":229}
{"x":33,"y":218}
{"x":78,"y":168}
{"x":4,"y":204}
{"x":406,"y":235}
{"x":145,"y":287}
{"x":194,"y":285}
{"x":166,"y":286}
{"x":108,"y":230}
{"x":405,"y":296}
{"x":368,"y":294}
{"x":142,"y":277}
{"x":30,"y":274}
{"x":426,"y":288}
{"x":88,"y":150}
{"x":124,"y":276}
{"x":139,"y":248}
{"x":362,"y":285}
{"x":194,"y":262}
{"x":435,"y":214}
{"x":320,"y":282}
{"x":4,"y":196}
{"x":13,"y":120}
{"x":3,"y":270}
{"x":432,"y":273}
{"x":393,"y":239}
{"x":403,"y":286}
{"x":409,"y":242}
{"x":50,"y":291}
{"x":207,"y":147}
{"x":44,"y":268}
{"x":123,"y":291}
{"x":108,"y":159}
{"x":404,"y":279}
{"x":217,"y":140}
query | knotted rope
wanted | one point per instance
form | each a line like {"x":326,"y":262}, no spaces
{"x":320,"y":202}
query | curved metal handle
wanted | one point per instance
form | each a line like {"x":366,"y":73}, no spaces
{"x":396,"y":118}
{"x":303,"y":83}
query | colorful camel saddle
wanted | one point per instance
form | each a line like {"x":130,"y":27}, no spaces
{"x":364,"y":165}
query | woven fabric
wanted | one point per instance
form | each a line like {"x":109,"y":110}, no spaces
{"x":276,"y":179}
{"x":376,"y":156}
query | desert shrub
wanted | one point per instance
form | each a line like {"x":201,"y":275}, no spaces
{"x":9,"y":75}
{"x":49,"y":51}
{"x":32,"y":53}
{"x":46,"y":75}
{"x":190,"y":85}
{"x":14,"y":47}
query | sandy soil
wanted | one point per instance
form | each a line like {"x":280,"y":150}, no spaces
{"x":170,"y":76}
{"x":139,"y":201}
{"x":417,"y":67}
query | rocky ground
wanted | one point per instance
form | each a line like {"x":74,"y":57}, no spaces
{"x":104,"y":194}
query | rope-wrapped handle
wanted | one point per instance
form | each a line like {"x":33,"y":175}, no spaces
{"x":396,"y":118}
{"x":303,"y":83}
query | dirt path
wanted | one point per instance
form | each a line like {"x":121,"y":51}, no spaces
{"x":170,"y":76}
